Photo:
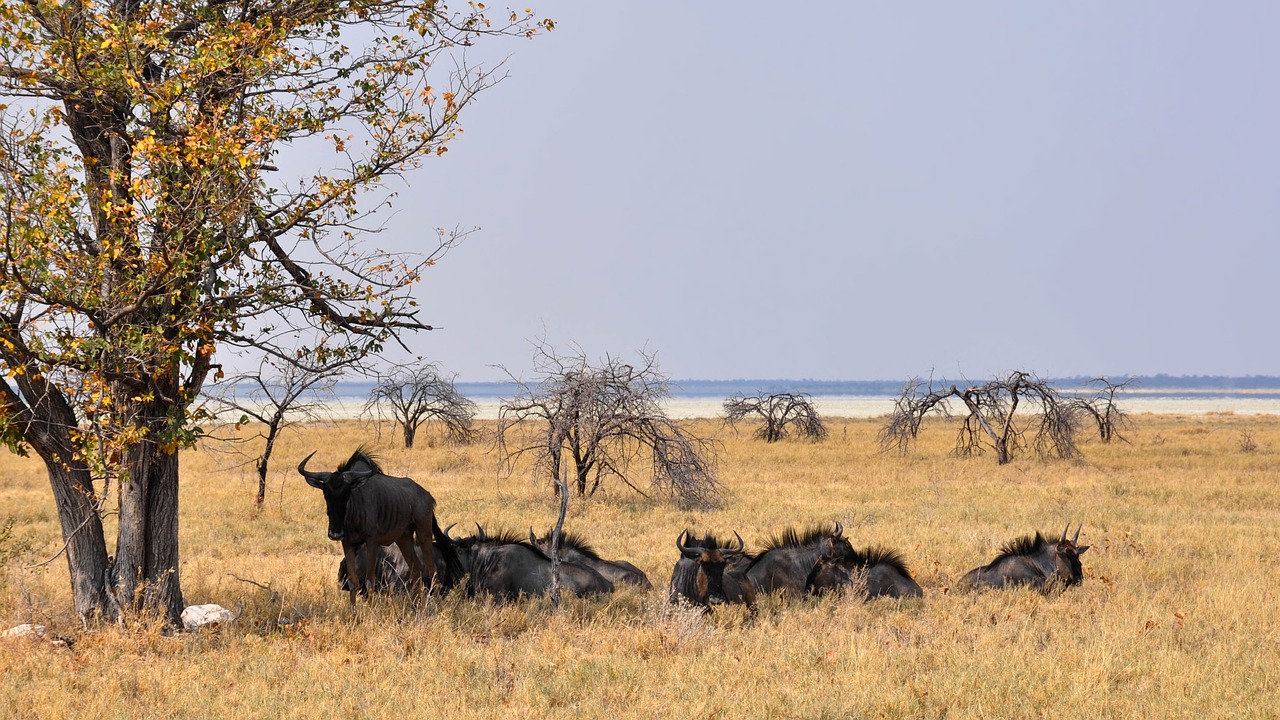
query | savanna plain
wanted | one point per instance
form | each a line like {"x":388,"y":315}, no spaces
{"x":1178,"y":614}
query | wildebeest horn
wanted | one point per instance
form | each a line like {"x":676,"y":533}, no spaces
{"x":1077,"y":536}
{"x":480,"y":533}
{"x":680,"y":539}
{"x":446,"y":531}
{"x":314,"y":479}
{"x":1064,"y":532}
{"x":839,"y":530}
{"x":741,"y":544}
{"x":533,"y":539}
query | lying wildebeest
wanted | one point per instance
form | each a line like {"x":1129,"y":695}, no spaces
{"x":1035,"y":561}
{"x":576,"y":549}
{"x":507,"y":566}
{"x":702,"y":575}
{"x":366,"y":506}
{"x":787,"y":559}
{"x":882,"y":570}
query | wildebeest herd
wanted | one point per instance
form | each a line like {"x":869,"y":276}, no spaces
{"x":392,"y":542}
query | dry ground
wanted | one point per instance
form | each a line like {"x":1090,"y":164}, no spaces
{"x":1177,"y":617}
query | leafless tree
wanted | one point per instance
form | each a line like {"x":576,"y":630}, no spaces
{"x":603,"y":420}
{"x":419,"y":394}
{"x":275,"y":396}
{"x":781,"y":412}
{"x":1102,"y":408}
{"x":991,"y":420}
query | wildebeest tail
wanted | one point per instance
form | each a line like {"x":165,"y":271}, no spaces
{"x":453,"y":566}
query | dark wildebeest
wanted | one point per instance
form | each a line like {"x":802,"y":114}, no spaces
{"x":1036,"y":561}
{"x":574,"y":548}
{"x":882,"y":570}
{"x":787,"y":559}
{"x":506,"y":566}
{"x":366,"y":506}
{"x":703,"y":574}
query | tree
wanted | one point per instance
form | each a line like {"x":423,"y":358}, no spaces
{"x":991,"y":420}
{"x":144,"y":227}
{"x":781,"y":413}
{"x":601,"y":420}
{"x":1102,"y":408}
{"x":419,"y":394}
{"x":273,"y":396}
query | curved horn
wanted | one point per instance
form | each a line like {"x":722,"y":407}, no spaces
{"x":1077,"y":536}
{"x":680,"y":539}
{"x":314,"y":479}
{"x":446,"y":531}
{"x":480,"y":533}
{"x":533,"y":539}
{"x":1064,"y":532}
{"x":837,"y":533}
{"x":741,"y":545}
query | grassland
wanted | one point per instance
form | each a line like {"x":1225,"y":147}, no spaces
{"x":1178,"y":615}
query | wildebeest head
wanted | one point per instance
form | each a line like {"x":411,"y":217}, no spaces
{"x":710,"y":584}
{"x":337,"y":487}
{"x":1067,"y":557}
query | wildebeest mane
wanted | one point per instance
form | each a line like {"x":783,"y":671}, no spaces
{"x":575,"y":541}
{"x":510,"y":537}
{"x":794,"y":538}
{"x":880,"y":555}
{"x":361,"y":455}
{"x":1023,"y":546}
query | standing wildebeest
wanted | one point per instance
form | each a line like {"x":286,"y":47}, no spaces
{"x":787,"y":559}
{"x":576,"y":549}
{"x":506,"y":566}
{"x":366,"y":506}
{"x":882,"y":570}
{"x":703,"y":574}
{"x":1035,"y":561}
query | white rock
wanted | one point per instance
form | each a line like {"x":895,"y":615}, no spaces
{"x":196,"y":616}
{"x":24,"y":630}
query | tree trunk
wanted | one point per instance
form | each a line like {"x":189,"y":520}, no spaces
{"x":147,"y":548}
{"x":86,"y":545}
{"x":409,"y":432}
{"x":46,"y":423}
{"x":147,"y":545}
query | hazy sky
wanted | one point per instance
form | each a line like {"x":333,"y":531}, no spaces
{"x":856,"y":190}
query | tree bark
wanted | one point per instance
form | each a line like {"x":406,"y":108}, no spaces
{"x":86,"y":545}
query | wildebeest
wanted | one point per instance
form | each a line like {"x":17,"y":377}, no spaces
{"x":1036,"y":561}
{"x":882,"y":571}
{"x":506,"y":566}
{"x":703,"y":574}
{"x":575,"y":548}
{"x":366,"y":506}
{"x":787,"y":559}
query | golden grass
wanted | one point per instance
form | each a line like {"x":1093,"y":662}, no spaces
{"x":1178,"y":615}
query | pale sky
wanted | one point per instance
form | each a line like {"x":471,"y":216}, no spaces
{"x":856,"y":190}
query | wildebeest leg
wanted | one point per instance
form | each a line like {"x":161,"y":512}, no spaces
{"x":430,"y":576}
{"x":354,"y":579}
{"x":370,"y":579}
{"x":405,"y":542}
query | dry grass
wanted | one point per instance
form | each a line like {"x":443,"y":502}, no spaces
{"x":1178,"y":615}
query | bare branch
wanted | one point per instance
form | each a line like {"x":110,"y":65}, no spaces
{"x":599,"y":419}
